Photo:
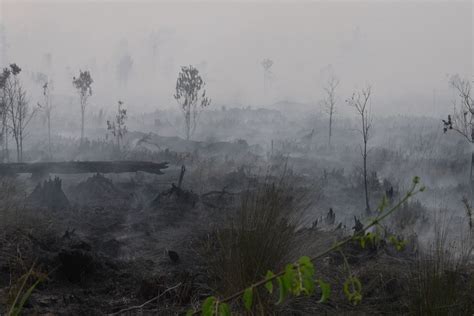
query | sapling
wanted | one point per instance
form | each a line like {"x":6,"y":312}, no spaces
{"x":329,"y":102}
{"x":83,"y":85}
{"x":191,"y":97}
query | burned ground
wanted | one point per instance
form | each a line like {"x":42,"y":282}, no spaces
{"x":108,"y":243}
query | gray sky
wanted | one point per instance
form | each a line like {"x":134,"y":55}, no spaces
{"x":403,"y":49}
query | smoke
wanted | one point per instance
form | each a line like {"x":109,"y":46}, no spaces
{"x":403,"y":49}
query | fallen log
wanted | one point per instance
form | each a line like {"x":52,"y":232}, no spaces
{"x":73,"y":167}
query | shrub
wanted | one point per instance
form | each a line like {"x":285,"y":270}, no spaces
{"x":259,"y":237}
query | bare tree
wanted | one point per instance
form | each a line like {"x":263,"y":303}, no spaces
{"x":47,"y":108}
{"x":4,"y":113}
{"x":18,"y":112}
{"x":83,"y":86}
{"x":359,"y":100}
{"x":267,"y":65}
{"x":462,"y":118}
{"x":329,"y":102}
{"x":117,"y":127}
{"x":189,"y":97}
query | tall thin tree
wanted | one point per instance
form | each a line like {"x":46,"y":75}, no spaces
{"x":329,"y":102}
{"x":47,"y":108}
{"x":18,"y":112}
{"x":4,"y":112}
{"x":83,"y":85}
{"x":360,"y":101}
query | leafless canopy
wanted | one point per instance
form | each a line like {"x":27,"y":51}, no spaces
{"x":329,"y":102}
{"x":462,"y":120}
{"x":359,"y":100}
{"x":16,"y":113}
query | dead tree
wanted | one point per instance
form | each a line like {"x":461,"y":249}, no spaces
{"x":4,"y":113}
{"x":83,"y":85}
{"x":17,"y":110}
{"x":190,"y":98}
{"x":47,"y":109}
{"x":359,"y":100}
{"x":462,"y":118}
{"x":117,"y":127}
{"x":329,"y":102}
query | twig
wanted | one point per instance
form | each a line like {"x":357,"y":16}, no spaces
{"x":147,"y":302}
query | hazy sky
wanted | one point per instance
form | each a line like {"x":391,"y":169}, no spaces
{"x":403,"y":49}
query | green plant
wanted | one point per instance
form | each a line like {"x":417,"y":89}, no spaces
{"x":23,"y":292}
{"x":299,"y":278}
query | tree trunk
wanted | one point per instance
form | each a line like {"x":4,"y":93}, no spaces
{"x":188,"y":124}
{"x":367,"y":205}
{"x":17,"y":143}
{"x":471,"y":171}
{"x":49,"y":137}
{"x":6,"y":157}
{"x":330,"y":129}
{"x":21,"y":147}
{"x":82,"y":123}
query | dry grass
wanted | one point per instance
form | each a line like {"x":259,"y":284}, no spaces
{"x":442,"y":281}
{"x":257,"y":239}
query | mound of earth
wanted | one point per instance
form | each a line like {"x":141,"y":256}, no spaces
{"x":97,"y":190}
{"x":48,"y":194}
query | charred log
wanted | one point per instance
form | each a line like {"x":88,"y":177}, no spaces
{"x":73,"y":167}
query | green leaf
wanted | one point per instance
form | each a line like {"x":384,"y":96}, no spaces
{"x":190,"y":312}
{"x":224,"y":309}
{"x":248,"y":298}
{"x":27,"y":295}
{"x":283,"y":289}
{"x":416,"y":180}
{"x":269,"y":284}
{"x":352,"y":289}
{"x":208,"y":306}
{"x":306,"y":269}
{"x":289,"y":278}
{"x":305,"y":260}
{"x":398,"y":243}
{"x":325,"y":291}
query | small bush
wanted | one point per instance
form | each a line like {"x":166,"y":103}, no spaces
{"x":259,"y":237}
